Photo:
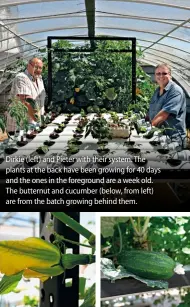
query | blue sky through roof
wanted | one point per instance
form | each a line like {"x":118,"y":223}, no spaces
{"x":19,"y":218}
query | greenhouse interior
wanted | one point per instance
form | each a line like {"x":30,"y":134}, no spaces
{"x":99,"y":60}
{"x":64,"y":289}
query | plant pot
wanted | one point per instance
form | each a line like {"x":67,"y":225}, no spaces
{"x":40,"y":151}
{"x":103,"y":151}
{"x":43,"y":126}
{"x":76,"y":142}
{"x":102,"y":142}
{"x":31,"y":135}
{"x":11,"y":133}
{"x":142,"y":132}
{"x":69,"y":162}
{"x":72,"y":152}
{"x":134,"y":150}
{"x":54,"y":135}
{"x":77,"y":136}
{"x":155,"y":143}
{"x":79,"y":130}
{"x":10,"y":151}
{"x":129,"y":143}
{"x":140,"y":163}
{"x":61,"y":126}
{"x":58,"y":130}
{"x":105,"y":162}
{"x":163,"y":151}
{"x":49,"y":143}
{"x":174,"y":162}
{"x":80,"y":127}
{"x":22,"y":143}
{"x":39,"y":130}
{"x":1,"y":160}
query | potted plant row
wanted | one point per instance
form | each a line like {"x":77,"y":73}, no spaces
{"x":42,"y":150}
{"x":60,"y":128}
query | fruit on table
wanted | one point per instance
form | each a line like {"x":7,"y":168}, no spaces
{"x":150,"y":265}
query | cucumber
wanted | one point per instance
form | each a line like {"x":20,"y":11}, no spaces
{"x":150,"y":265}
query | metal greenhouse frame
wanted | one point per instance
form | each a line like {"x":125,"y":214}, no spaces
{"x":55,"y":292}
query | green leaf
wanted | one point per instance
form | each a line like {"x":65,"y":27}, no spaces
{"x":110,"y":272}
{"x":90,"y":93}
{"x":186,"y":250}
{"x":187,"y":227}
{"x":82,"y":99}
{"x":90,"y":297}
{"x":150,"y":134}
{"x":187,"y":298}
{"x":82,"y":283}
{"x":99,"y":101}
{"x":9,"y":283}
{"x":2,"y":125}
{"x":31,"y":102}
{"x":87,"y":133}
{"x":110,"y":94}
{"x":42,"y":149}
{"x":107,"y":224}
{"x":66,"y":219}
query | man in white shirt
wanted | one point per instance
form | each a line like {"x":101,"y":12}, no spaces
{"x":29,"y":84}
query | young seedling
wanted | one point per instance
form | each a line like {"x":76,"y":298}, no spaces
{"x":102,"y":150}
{"x":82,"y":122}
{"x":72,"y":149}
{"x":83,"y":113}
{"x":42,"y":149}
{"x":74,"y":141}
{"x":53,"y":135}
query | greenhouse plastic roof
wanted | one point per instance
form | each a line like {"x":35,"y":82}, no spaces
{"x":161,"y":27}
{"x":22,"y":219}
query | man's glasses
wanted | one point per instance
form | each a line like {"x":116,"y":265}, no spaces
{"x":161,"y":73}
{"x":36,"y":67}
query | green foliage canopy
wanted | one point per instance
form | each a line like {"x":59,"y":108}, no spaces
{"x":100,"y":78}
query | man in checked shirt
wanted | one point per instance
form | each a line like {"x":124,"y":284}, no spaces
{"x":29,"y":84}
